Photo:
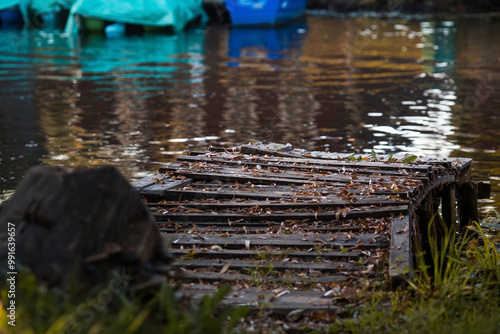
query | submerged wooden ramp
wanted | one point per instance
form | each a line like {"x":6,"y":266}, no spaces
{"x":296,"y":231}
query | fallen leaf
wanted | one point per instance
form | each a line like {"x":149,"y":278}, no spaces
{"x":225,"y":267}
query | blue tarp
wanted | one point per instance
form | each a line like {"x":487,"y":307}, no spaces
{"x":22,"y":4}
{"x":159,"y":13}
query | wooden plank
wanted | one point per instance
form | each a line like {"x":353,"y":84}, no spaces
{"x":149,"y":180}
{"x":347,"y":213}
{"x":375,"y":200}
{"x":278,"y":301}
{"x":250,"y":229}
{"x":331,"y":160}
{"x":297,"y":178}
{"x":458,"y":163}
{"x":270,"y":194}
{"x":155,"y":185}
{"x":272,"y":266}
{"x":311,"y":163}
{"x":267,"y":253}
{"x":238,"y":277}
{"x":294,"y":165}
{"x":280,"y":240}
{"x":401,"y":257}
{"x":309,"y":223}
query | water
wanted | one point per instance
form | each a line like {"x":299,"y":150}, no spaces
{"x":343,"y":84}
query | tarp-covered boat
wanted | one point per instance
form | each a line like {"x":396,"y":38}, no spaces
{"x":155,"y":13}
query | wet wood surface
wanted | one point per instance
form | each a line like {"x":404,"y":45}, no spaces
{"x":295,"y":231}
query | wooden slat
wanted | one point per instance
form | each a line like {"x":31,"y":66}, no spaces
{"x":238,"y":253}
{"x":238,"y":277}
{"x":280,"y":240}
{"x":301,"y":302}
{"x":270,"y":194}
{"x":334,"y":215}
{"x":400,"y":259}
{"x":297,"y":178}
{"x":156,"y":185}
{"x":250,"y":229}
{"x":331,"y":160}
{"x":459,"y":163}
{"x":270,"y":265}
{"x":375,"y":200}
{"x":272,"y":164}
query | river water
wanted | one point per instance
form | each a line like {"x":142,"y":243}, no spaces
{"x":401,"y":84}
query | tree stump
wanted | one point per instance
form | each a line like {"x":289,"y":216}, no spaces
{"x":77,"y":225}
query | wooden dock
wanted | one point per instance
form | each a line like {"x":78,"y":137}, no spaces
{"x":296,"y":231}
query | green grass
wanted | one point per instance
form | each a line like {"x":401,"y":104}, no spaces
{"x":42,"y":310}
{"x":459,"y":292}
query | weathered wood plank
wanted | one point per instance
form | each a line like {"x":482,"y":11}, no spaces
{"x":272,"y":163}
{"x":375,"y":200}
{"x":155,"y":185}
{"x":238,"y":277}
{"x":281,"y":240}
{"x":312,"y":163}
{"x":297,"y":178}
{"x":250,"y":229}
{"x":401,"y":258}
{"x":273,"y":194}
{"x":459,"y":163}
{"x":278,"y":301}
{"x":272,"y":266}
{"x":347,"y":213}
{"x":149,"y":180}
{"x":265,"y":253}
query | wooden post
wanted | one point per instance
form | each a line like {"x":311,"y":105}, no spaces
{"x":401,"y":257}
{"x":425,"y":213}
{"x":448,"y":205}
{"x":467,"y":204}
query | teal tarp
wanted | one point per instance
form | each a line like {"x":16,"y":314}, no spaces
{"x":49,"y":6}
{"x":8,"y":3}
{"x":36,"y":6}
{"x":175,"y":13}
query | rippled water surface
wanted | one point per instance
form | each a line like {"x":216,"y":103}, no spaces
{"x":343,"y":84}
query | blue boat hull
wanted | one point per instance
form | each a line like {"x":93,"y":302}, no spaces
{"x":264,"y":12}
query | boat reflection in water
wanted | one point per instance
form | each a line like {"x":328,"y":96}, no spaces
{"x":243,"y":41}
{"x":265,"y":67}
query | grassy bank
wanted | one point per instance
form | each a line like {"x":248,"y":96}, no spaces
{"x":458,"y":292}
{"x":412,"y":6}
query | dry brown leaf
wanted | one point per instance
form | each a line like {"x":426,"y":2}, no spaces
{"x":225,"y":267}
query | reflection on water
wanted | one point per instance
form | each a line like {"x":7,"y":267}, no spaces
{"x":353,"y":84}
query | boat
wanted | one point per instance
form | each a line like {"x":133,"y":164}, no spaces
{"x":264,"y":12}
{"x":96,"y":14}
{"x":34,"y":13}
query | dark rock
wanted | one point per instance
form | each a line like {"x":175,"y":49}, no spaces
{"x":76,"y":226}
